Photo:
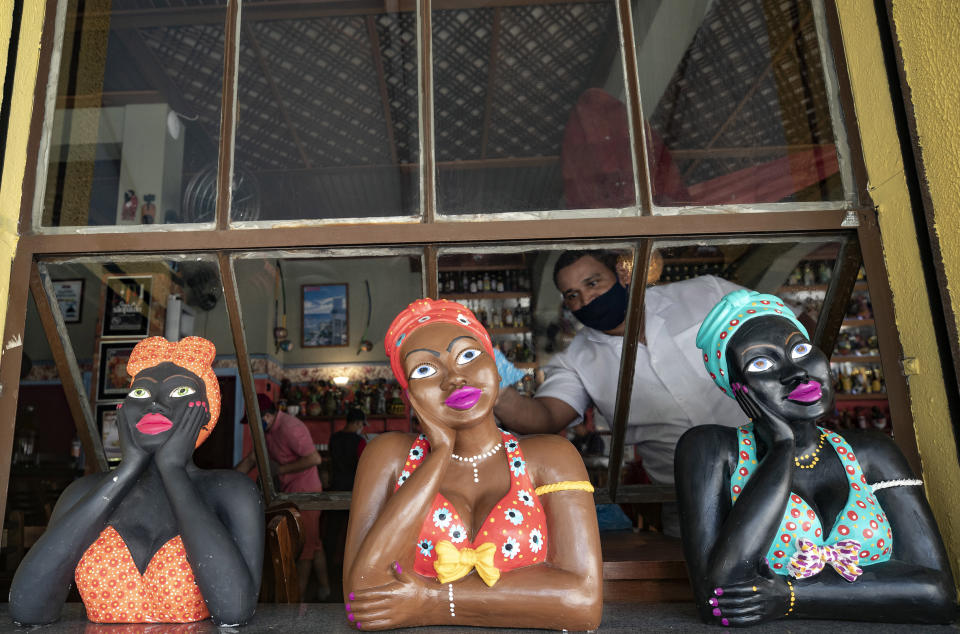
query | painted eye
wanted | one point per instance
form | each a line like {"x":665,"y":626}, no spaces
{"x":467,"y":356}
{"x":422,"y":371}
{"x":139,"y":392}
{"x":183,"y":390}
{"x":759,"y":364}
{"x":800,"y":350}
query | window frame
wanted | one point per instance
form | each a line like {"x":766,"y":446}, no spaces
{"x":854,"y":219}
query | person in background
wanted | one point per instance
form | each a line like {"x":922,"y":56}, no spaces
{"x":346,"y":446}
{"x":669,"y":395}
{"x":587,"y":441}
{"x":293,"y":461}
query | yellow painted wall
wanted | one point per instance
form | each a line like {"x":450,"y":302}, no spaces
{"x":930,"y":39}
{"x":22,"y":107}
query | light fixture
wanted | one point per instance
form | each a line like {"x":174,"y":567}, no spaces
{"x":341,"y":380}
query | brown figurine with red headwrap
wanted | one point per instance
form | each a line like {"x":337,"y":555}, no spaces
{"x":157,"y":540}
{"x":466,"y":524}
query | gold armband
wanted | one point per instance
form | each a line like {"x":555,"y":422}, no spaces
{"x":566,"y":485}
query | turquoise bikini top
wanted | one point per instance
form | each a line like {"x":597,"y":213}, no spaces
{"x":861,"y":519}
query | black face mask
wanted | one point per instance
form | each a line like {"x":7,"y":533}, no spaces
{"x":605,"y":312}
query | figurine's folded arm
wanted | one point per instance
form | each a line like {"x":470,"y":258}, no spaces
{"x":384,"y":524}
{"x":43,"y":578}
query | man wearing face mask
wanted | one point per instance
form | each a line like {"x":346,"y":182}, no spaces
{"x":670,"y":392}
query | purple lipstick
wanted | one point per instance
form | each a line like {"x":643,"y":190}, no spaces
{"x":809,"y":392}
{"x":464,"y":398}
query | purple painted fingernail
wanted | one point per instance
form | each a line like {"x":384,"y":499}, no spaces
{"x":713,"y":601}
{"x":190,"y":404}
{"x":718,"y":592}
{"x":359,"y":626}
{"x":347,"y":607}
{"x":351,"y":596}
{"x":744,"y":388}
{"x":350,"y":616}
{"x":399,"y":569}
{"x":724,"y":622}
{"x":717,"y":612}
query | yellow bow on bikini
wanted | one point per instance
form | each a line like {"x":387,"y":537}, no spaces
{"x":453,"y":564}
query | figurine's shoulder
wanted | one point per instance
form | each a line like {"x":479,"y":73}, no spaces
{"x":389,"y":447}
{"x":719,"y":436}
{"x":878,"y":456}
{"x":225,"y":485}
{"x":552,"y":458}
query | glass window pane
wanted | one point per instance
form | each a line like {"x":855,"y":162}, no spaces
{"x":328,"y":118}
{"x":137,"y":119}
{"x":314,"y":329}
{"x":737,"y":102}
{"x":528,"y":108}
{"x":125,"y":301}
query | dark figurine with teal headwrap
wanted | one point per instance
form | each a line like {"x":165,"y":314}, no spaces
{"x":783,"y":518}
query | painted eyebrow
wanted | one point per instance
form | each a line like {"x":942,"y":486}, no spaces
{"x":433,"y":352}
{"x":146,"y":378}
{"x":743,"y":354}
{"x":455,"y":339}
{"x":790,"y":336}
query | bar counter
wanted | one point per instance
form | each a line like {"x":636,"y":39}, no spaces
{"x":329,"y":617}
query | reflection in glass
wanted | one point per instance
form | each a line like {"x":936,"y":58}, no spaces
{"x":137,"y":115}
{"x":528,"y":108}
{"x":314,"y":331}
{"x":124,"y":301}
{"x":736,"y":99}
{"x":327,"y":122}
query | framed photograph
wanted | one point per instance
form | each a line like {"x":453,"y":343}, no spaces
{"x":109,"y":434}
{"x":112,"y":379}
{"x":69,"y":294}
{"x":127,"y":306}
{"x":324,"y":322}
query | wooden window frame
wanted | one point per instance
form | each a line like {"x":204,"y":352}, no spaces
{"x":853,"y":220}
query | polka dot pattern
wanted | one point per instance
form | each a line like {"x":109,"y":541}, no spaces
{"x":114,"y":591}
{"x":192,"y":353}
{"x":516,"y":525}
{"x":861,"y":519}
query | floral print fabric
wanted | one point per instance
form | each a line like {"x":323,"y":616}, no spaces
{"x":862,"y":519}
{"x":114,"y":591}
{"x":516,"y":525}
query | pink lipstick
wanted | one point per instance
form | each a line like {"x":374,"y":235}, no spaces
{"x":154,"y":424}
{"x":809,"y":392}
{"x":464,"y":398}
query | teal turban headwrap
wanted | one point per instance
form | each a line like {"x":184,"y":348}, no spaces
{"x":725,"y":318}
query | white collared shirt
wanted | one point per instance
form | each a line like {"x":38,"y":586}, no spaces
{"x":671,"y":390}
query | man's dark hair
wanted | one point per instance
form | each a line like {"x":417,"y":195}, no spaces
{"x":266,"y":404}
{"x":355,"y":414}
{"x":607,"y":258}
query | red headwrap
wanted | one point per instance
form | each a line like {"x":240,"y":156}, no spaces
{"x":191,"y":353}
{"x":429,"y":311}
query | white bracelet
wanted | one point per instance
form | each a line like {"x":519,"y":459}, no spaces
{"x":450,"y":595}
{"x":886,"y":484}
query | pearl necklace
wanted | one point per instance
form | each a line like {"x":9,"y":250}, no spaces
{"x":813,"y":454}
{"x":473,"y":460}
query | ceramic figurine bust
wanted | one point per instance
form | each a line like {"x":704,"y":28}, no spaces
{"x":782,"y":518}
{"x":467,"y":524}
{"x":157,"y":540}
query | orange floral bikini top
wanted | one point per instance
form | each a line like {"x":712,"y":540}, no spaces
{"x":513,"y":535}
{"x":114,"y":591}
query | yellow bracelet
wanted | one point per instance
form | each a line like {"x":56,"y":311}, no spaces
{"x":793,"y":598}
{"x":566,"y":485}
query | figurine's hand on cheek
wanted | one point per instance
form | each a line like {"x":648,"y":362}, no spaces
{"x":438,"y":432}
{"x":182,"y":440}
{"x":768,"y":424}
{"x":405,"y":601}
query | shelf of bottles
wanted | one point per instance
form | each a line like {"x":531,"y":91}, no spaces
{"x":502,"y":300}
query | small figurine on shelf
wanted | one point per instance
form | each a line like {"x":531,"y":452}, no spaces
{"x":809,"y":277}
{"x":148,"y":211}
{"x":128,"y":212}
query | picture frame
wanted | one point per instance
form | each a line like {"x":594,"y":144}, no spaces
{"x":112,"y":379}
{"x":109,"y":433}
{"x":69,"y":296}
{"x":126,"y":311}
{"x":324,"y":316}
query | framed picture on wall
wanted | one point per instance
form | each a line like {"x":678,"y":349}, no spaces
{"x":109,"y":434}
{"x":324,"y":315}
{"x":127,"y":306}
{"x":112,"y":379}
{"x":69,"y":294}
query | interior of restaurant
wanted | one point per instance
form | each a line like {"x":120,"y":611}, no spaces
{"x":530,"y":115}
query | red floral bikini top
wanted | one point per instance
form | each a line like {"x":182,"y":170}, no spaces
{"x":513,"y":535}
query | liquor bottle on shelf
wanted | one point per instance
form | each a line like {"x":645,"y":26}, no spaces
{"x":473,"y":284}
{"x":486,"y":282}
{"x":507,"y":317}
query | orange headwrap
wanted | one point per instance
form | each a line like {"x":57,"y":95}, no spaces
{"x":191,"y":353}
{"x":429,"y":311}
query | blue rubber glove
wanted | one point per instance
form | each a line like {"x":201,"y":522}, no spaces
{"x":509,"y":374}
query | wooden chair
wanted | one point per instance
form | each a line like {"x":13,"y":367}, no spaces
{"x":284,"y":541}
